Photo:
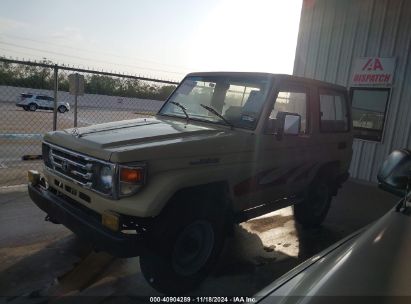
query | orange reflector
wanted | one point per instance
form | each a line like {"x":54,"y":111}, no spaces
{"x":110,"y":220}
{"x":129,"y":175}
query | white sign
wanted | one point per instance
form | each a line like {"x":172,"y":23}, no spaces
{"x":76,"y":84}
{"x":373,"y":71}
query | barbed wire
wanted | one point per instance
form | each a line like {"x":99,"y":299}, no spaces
{"x":89,"y":59}
{"x":85,"y":70}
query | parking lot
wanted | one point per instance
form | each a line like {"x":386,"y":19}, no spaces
{"x":22,"y":131}
{"x":38,"y":258}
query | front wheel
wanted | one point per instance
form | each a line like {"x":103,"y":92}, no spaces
{"x":184,"y":248}
{"x":32,"y":107}
{"x":62,"y":109}
{"x":312,"y":211}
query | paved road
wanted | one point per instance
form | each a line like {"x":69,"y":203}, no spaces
{"x":40,"y":258}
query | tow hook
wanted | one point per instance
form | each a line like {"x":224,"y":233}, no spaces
{"x":51,"y":220}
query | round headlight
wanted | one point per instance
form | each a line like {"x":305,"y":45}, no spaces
{"x":106,"y":178}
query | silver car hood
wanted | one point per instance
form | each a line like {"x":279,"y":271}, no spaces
{"x":373,"y":262}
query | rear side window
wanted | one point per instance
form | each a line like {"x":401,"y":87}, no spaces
{"x":27,"y":95}
{"x":333,"y":111}
{"x":40,"y":97}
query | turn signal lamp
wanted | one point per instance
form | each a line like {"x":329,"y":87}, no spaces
{"x":131,"y":175}
{"x":131,"y":179}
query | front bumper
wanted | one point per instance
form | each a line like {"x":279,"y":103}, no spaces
{"x":78,"y":219}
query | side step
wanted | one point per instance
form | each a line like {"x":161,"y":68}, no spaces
{"x":266,"y":208}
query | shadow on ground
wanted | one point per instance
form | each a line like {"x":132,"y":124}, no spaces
{"x":260,"y":251}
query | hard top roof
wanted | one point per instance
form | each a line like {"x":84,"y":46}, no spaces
{"x":271,"y":75}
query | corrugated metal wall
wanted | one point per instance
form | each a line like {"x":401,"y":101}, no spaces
{"x":335,"y":32}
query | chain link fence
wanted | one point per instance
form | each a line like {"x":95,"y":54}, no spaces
{"x":27,"y":98}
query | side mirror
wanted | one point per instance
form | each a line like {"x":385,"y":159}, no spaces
{"x":395,"y":173}
{"x":288,"y":124}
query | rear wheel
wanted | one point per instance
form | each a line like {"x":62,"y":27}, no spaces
{"x":62,"y":109}
{"x":32,"y":107}
{"x":25,"y":108}
{"x":312,"y":211}
{"x":184,"y":246}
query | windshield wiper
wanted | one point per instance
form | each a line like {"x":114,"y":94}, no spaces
{"x":218,"y":114}
{"x":182,"y":108}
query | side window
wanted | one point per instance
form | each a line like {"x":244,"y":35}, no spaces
{"x":292,"y":101}
{"x":333,"y":111}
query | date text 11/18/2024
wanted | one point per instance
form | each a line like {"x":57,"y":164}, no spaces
{"x":202,"y":299}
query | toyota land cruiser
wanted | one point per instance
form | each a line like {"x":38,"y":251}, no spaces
{"x":224,"y":148}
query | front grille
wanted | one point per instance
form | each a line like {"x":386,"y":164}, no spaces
{"x":74,"y":166}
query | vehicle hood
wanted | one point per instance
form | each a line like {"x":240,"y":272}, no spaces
{"x":374,"y":262}
{"x":143,"y":139}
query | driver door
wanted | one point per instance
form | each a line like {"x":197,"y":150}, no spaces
{"x":285,"y":162}
{"x":41,"y":102}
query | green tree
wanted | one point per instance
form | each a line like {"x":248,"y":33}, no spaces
{"x":39,"y":77}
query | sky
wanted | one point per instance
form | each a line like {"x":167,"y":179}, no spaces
{"x":163,"y":39}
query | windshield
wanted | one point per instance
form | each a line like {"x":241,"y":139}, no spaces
{"x":239,"y":100}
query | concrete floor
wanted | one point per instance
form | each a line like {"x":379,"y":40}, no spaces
{"x":38,"y":258}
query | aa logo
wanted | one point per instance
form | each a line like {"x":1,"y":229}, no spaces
{"x":373,"y":64}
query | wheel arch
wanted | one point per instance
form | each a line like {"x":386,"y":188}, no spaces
{"x":330,"y":170}
{"x":217,"y":192}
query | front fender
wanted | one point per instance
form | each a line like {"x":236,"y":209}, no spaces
{"x":172,"y":181}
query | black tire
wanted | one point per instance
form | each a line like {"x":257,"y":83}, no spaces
{"x":32,"y":107}
{"x":62,"y":109}
{"x":183,"y":246}
{"x":25,"y":108}
{"x":312,"y":211}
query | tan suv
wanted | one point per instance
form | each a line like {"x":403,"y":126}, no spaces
{"x":224,"y":148}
